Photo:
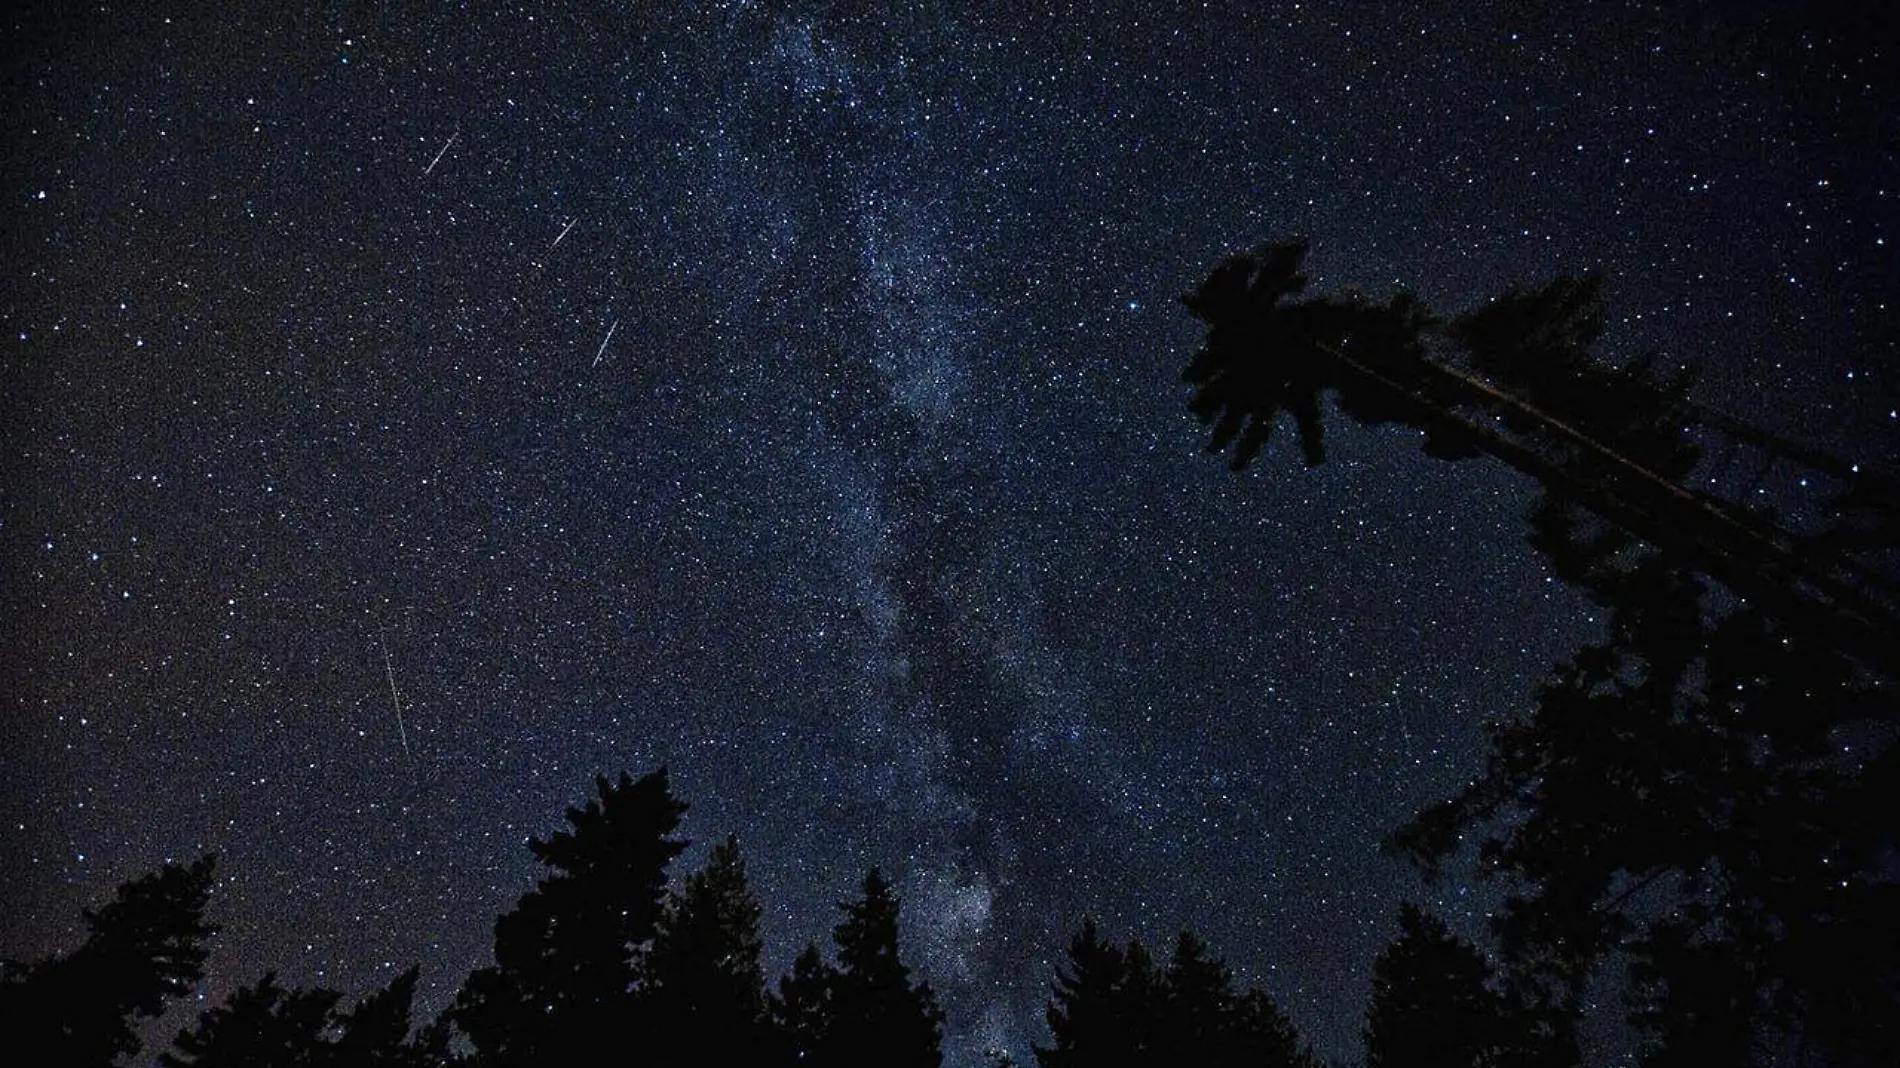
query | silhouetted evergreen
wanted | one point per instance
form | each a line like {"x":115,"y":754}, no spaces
{"x":864,"y":1011}
{"x":259,"y":1026}
{"x":1515,"y":380}
{"x":1266,"y":353}
{"x":801,"y":1008}
{"x":376,"y":1033}
{"x":1436,"y":1004}
{"x":1204,"y":1021}
{"x":144,"y":947}
{"x":878,"y":1016}
{"x":568,"y":955}
{"x":703,"y":977}
{"x":267,"y":1026}
{"x":1102,"y":1011}
{"x":1710,"y":791}
{"x":1111,"y":1010}
{"x":1723,"y":814}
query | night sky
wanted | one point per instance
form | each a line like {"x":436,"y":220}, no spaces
{"x":789,"y":394}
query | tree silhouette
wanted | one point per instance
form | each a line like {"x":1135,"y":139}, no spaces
{"x":877,"y":1014}
{"x":1102,"y":1010}
{"x":144,"y":947}
{"x":260,"y":1026}
{"x":265,"y":1025}
{"x":1601,"y":438}
{"x":801,"y":1008}
{"x":376,"y":1033}
{"x":703,"y":977}
{"x":1110,"y":1009}
{"x":568,"y":955}
{"x":1711,"y":789}
{"x":1715,"y":798}
{"x":865,"y":1010}
{"x":1266,"y":354}
{"x":1204,"y":1021}
{"x":1435,"y":1005}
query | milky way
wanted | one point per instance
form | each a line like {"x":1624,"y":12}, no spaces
{"x":789,"y":394}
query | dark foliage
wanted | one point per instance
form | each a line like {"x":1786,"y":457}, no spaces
{"x":267,"y":1026}
{"x":597,"y":959}
{"x":1515,"y":380}
{"x":802,"y":1007}
{"x":1710,"y":791}
{"x":1102,"y":1009}
{"x":260,"y":1026}
{"x":1713,"y":797}
{"x":568,"y":956}
{"x":377,"y":1032}
{"x":703,"y":977}
{"x":1112,"y":1009}
{"x":143,"y":948}
{"x":1266,"y":354}
{"x":1437,"y":1004}
{"x":865,"y":1010}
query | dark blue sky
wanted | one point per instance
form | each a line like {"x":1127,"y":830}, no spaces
{"x":789,"y":394}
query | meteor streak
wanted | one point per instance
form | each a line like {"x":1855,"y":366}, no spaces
{"x":444,"y":152}
{"x":603,"y":343}
{"x":395,"y":702}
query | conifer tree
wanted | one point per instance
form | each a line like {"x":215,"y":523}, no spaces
{"x":878,"y":1016}
{"x":1102,"y":1008}
{"x":704,"y":977}
{"x":1517,"y":381}
{"x":1204,"y":1020}
{"x":376,"y":1032}
{"x":801,"y":1009}
{"x":265,"y":1025}
{"x":143,"y":948}
{"x":262,"y":1025}
{"x":865,"y":1010}
{"x":1708,"y":792}
{"x":1198,"y":1013}
{"x":568,"y":955}
{"x":1264,"y":1036}
{"x":1111,"y":1009}
{"x":1433,"y":1002}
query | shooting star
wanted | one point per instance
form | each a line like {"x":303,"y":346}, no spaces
{"x":564,"y":230}
{"x":444,"y":152}
{"x":603,"y":343}
{"x":395,"y":702}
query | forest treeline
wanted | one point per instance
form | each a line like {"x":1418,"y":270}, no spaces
{"x":1698,"y":811}
{"x":602,"y":956}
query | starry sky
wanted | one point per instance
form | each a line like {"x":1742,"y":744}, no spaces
{"x":789,"y":394}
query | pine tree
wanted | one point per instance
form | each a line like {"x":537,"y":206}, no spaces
{"x":376,"y":1032}
{"x":1432,"y":1002}
{"x":568,"y":955}
{"x":1203,"y":1020}
{"x":1519,"y":384}
{"x":704,"y":977}
{"x":865,"y":1010}
{"x":1111,"y":1009}
{"x":878,"y":1016}
{"x":1102,"y":1009}
{"x":1264,"y":1036}
{"x":1708,"y":792}
{"x":268,"y":1026}
{"x":1197,"y":1011}
{"x":801,"y":1010}
{"x":143,"y":948}
{"x":261,"y":1026}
